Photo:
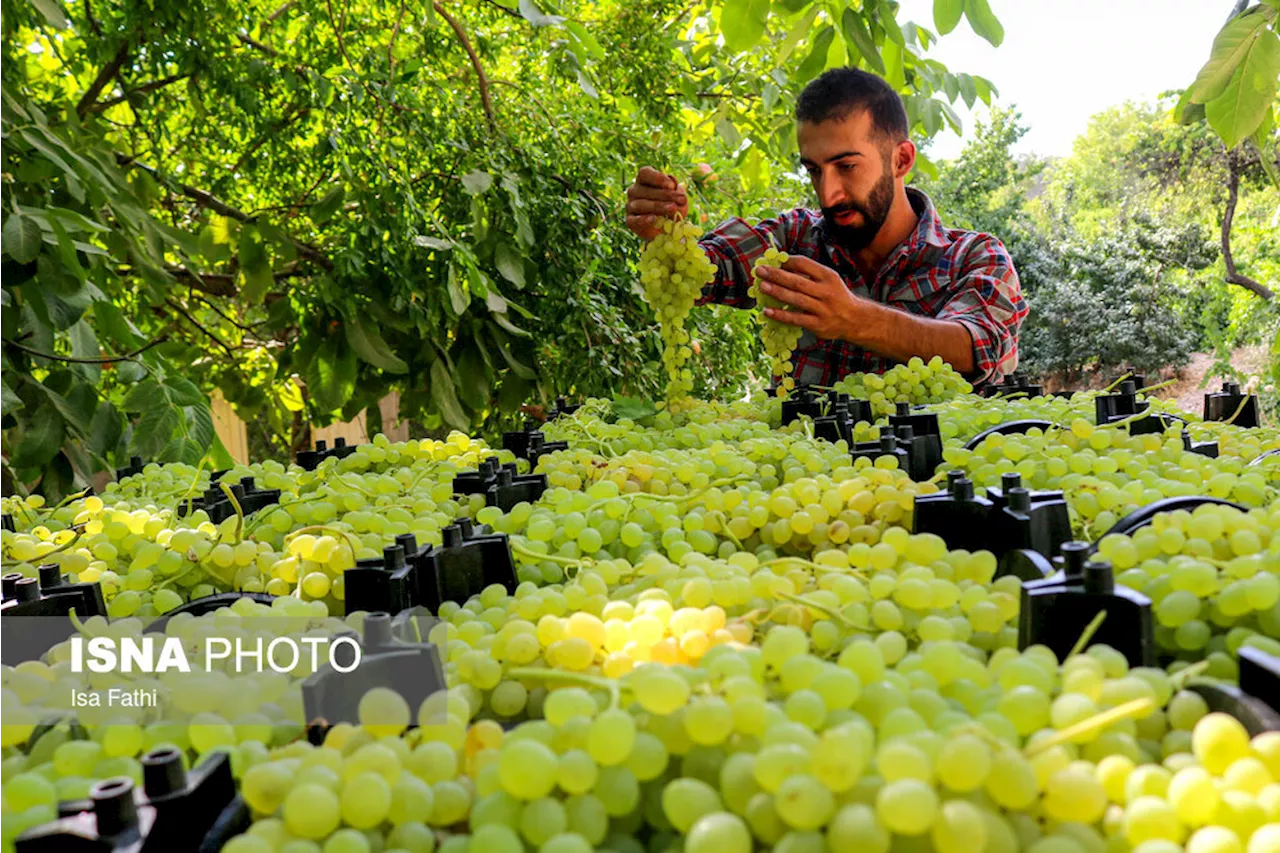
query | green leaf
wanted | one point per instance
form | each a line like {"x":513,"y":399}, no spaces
{"x":817,"y":58}
{"x":984,"y":21}
{"x":181,"y":391}
{"x":517,"y":367}
{"x":968,"y":89}
{"x":894,"y":68}
{"x":325,"y":208}
{"x":1186,"y":112}
{"x":728,"y":133}
{"x":586,"y":39}
{"x":889,"y":22}
{"x":473,"y":379}
{"x":632,"y":408}
{"x":331,"y":375}
{"x":254,"y":265}
{"x":53,"y":13}
{"x":947,"y":15}
{"x":799,"y":31}
{"x":742,"y":22}
{"x":1230,"y":47}
{"x":22,"y":238}
{"x":155,"y":430}
{"x":9,"y":400}
{"x":477,"y":183}
{"x":458,"y":298}
{"x":531,"y":13}
{"x":858,"y":36}
{"x":41,"y":439}
{"x":111,"y":321}
{"x":370,"y":346}
{"x":84,"y":344}
{"x":145,"y":395}
{"x":445,"y":397}
{"x":510,"y":264}
{"x":104,"y":430}
{"x":1244,"y":103}
{"x":432,"y":243}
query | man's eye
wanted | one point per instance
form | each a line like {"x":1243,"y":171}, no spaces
{"x":847,"y":167}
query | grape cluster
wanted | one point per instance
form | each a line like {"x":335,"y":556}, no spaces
{"x":780,"y":339}
{"x":917,"y":381}
{"x":1211,"y":576}
{"x":673,"y":270}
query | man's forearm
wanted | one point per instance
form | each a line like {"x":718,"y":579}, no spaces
{"x":899,"y":335}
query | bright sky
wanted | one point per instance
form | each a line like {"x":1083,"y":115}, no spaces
{"x":1062,"y":62}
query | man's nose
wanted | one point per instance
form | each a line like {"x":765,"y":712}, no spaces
{"x":830,"y":192}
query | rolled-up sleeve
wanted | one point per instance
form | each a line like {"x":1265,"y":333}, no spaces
{"x":987,"y":299}
{"x":734,"y":245}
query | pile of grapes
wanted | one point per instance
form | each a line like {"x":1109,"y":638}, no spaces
{"x":725,"y":637}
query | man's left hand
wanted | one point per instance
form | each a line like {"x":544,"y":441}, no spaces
{"x":819,"y":299}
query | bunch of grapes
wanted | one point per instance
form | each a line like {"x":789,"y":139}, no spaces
{"x":917,"y":381}
{"x":673,"y":270}
{"x":780,"y":339}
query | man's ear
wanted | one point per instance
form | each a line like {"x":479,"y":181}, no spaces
{"x":904,"y":158}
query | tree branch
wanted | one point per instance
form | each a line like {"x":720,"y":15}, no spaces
{"x":205,"y":199}
{"x":284,"y":7}
{"x":111,"y":359}
{"x":222,"y":283}
{"x":475,"y":62}
{"x":512,"y":12}
{"x":93,"y":22}
{"x":1228,"y":215}
{"x":257,"y":45}
{"x":104,"y":77}
{"x":217,"y":340}
{"x":146,"y":87}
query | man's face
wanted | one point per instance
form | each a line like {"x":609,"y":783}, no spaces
{"x":852,"y":172}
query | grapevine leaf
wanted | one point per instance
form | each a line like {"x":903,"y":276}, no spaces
{"x":22,"y":238}
{"x":370,"y":346}
{"x":324,"y":209}
{"x":632,"y":408}
{"x":432,"y":242}
{"x":531,"y":13}
{"x":477,"y":183}
{"x":445,"y":397}
{"x":858,"y":36}
{"x":40,"y":441}
{"x":104,"y":429}
{"x":1240,"y":109}
{"x":947,"y":15}
{"x":9,"y":400}
{"x":510,"y":264}
{"x":53,"y":13}
{"x":742,"y":22}
{"x":1230,"y":47}
{"x":84,"y":344}
{"x":984,"y":21}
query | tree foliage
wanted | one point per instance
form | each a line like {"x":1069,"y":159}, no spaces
{"x":306,"y":204}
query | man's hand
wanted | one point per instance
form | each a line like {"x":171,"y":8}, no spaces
{"x":819,"y":299}
{"x":654,"y":195}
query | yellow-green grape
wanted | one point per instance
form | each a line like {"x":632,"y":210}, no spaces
{"x":673,"y":270}
{"x":779,"y":339}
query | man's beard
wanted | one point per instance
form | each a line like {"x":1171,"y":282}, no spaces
{"x":874,"y":210}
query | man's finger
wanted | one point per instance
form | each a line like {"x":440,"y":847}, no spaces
{"x":807,"y":266}
{"x":795,"y":298}
{"x":641,"y":223}
{"x":642,"y":191}
{"x":793,"y":318}
{"x":640,"y":207}
{"x":791,"y":280}
{"x":650,"y":176}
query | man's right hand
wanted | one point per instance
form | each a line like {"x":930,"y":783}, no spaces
{"x":654,"y":195}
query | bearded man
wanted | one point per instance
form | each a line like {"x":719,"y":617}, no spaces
{"x":874,"y":277}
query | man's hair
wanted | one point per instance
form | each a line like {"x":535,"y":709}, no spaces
{"x":837,"y":93}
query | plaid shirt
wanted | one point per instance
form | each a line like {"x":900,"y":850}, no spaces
{"x":937,"y":272}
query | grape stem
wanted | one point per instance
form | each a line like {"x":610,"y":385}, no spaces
{"x":1184,"y":675}
{"x":1134,"y":708}
{"x":816,"y":567}
{"x":1087,"y":634}
{"x":577,"y":563}
{"x":615,"y":694}
{"x":235,"y":504}
{"x":1116,"y":384}
{"x":78,"y":530}
{"x":835,"y":615}
{"x":1244,"y":398}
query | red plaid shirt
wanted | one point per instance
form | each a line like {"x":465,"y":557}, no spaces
{"x":937,"y":272}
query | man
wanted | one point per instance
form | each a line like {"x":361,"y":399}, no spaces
{"x":874,"y":278}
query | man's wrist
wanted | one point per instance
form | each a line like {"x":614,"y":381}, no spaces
{"x":867,"y":325}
